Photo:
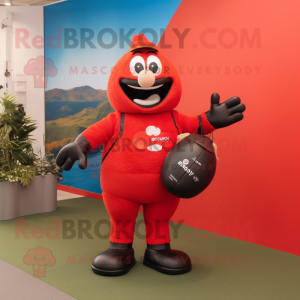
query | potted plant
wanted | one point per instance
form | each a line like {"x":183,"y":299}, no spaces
{"x":28,"y":181}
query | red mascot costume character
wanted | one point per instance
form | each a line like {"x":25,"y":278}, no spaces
{"x":144,"y":88}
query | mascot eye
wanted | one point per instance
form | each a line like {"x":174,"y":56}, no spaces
{"x":153,"y":67}
{"x":137,"y":64}
{"x":154,"y":64}
{"x":138,"y":67}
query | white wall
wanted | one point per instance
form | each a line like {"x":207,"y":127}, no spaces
{"x":31,"y":19}
{"x":6,"y":53}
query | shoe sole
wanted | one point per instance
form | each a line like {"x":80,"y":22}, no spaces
{"x":114,"y":272}
{"x":168,"y":271}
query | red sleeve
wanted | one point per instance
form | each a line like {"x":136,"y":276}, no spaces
{"x":189,"y":124}
{"x":100,"y":132}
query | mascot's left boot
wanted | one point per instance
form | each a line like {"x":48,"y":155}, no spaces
{"x":118,"y":259}
{"x":166,"y":260}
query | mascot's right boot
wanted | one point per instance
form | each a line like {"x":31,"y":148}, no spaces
{"x":117,"y":260}
{"x":166,"y":260}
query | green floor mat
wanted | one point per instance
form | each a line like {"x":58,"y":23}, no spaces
{"x":222,"y":268}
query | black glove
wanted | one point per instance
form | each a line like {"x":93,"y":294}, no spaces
{"x":72,"y":152}
{"x":225,"y":114}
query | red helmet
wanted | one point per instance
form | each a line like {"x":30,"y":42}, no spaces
{"x":144,"y":80}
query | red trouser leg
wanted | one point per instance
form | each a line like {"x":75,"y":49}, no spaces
{"x":123,"y":214}
{"x":157,"y":216}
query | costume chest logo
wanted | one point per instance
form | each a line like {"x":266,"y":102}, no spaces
{"x":153,"y":139}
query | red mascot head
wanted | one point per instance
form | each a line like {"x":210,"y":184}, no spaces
{"x":143,"y":80}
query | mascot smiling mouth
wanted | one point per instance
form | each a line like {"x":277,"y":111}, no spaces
{"x":146,"y":97}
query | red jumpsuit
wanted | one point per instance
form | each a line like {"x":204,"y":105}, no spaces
{"x":130,"y":174}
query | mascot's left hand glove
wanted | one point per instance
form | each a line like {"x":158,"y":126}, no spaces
{"x":72,"y":152}
{"x":225,"y":114}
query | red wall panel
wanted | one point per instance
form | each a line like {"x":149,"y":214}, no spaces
{"x":248,"y":49}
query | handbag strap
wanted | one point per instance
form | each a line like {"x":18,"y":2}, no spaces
{"x":118,"y":136}
{"x":175,"y":123}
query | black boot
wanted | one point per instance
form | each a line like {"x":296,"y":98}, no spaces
{"x":165,"y":260}
{"x":117,"y":260}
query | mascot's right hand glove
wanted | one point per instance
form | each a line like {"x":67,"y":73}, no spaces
{"x":72,"y":152}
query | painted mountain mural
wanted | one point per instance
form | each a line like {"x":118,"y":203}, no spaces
{"x":69,"y":112}
{"x":63,"y":103}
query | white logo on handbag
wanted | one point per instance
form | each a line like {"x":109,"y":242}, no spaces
{"x":196,"y":161}
{"x":183,"y":164}
{"x":196,"y":179}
